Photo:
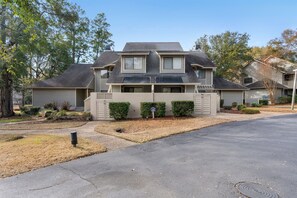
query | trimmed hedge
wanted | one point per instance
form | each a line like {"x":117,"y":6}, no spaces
{"x":145,"y":109}
{"x":119,"y":110}
{"x":263,"y":102}
{"x":250,"y":111}
{"x":30,"y":110}
{"x":254,"y":104}
{"x":182,"y":108}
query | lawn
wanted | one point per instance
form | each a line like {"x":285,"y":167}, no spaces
{"x":142,"y":130}
{"x":19,"y":154}
{"x":15,"y":119}
{"x":43,"y":125}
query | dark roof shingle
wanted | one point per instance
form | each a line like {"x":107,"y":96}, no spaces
{"x":77,"y":75}
{"x":152,"y":46}
{"x":223,"y":84}
{"x":260,"y":85}
{"x":106,"y":58}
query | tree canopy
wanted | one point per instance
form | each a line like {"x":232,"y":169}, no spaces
{"x":41,"y":38}
{"x":229,"y":51}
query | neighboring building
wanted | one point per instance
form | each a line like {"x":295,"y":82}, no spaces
{"x":73,"y":86}
{"x":282,"y":73}
{"x":142,"y":72}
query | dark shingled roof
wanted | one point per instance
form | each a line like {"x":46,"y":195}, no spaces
{"x":153,"y":72}
{"x":77,"y":75}
{"x":260,"y":85}
{"x":223,"y":84}
{"x":152,"y":46}
{"x":198,"y":57}
{"x":106,"y":58}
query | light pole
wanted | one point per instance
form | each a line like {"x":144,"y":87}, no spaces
{"x":294,"y":90}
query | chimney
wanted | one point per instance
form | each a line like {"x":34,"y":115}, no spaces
{"x":197,"y":47}
{"x":108,"y":47}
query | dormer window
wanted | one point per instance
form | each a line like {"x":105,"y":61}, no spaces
{"x":172,"y":63}
{"x":200,"y":73}
{"x":133,"y":63}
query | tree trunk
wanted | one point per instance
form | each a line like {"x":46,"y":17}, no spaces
{"x":6,"y":95}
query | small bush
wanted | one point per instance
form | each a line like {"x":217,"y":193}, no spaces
{"x":66,"y":106}
{"x":145,"y":109}
{"x":182,"y":108}
{"x":227,"y":107}
{"x":240,"y":107}
{"x":119,"y":110}
{"x":30,"y":110}
{"x":51,"y":105}
{"x":250,"y":111}
{"x":263,"y":102}
{"x":286,"y":99}
{"x":221,"y":103}
{"x":234,"y":104}
{"x":86,"y":116}
{"x":47,"y":113}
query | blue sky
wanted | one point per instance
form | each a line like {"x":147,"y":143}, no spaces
{"x":187,"y":20}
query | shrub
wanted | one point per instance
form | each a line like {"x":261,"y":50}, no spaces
{"x":119,"y":110}
{"x":250,"y":111}
{"x":227,"y":107}
{"x":240,"y":107}
{"x":286,"y":99}
{"x":182,"y":108}
{"x":47,"y":113}
{"x":145,"y":109}
{"x":86,"y":116}
{"x":221,"y":103}
{"x":66,"y":106}
{"x":51,"y":105}
{"x":263,"y":102}
{"x":234,"y":104}
{"x":30,"y":110}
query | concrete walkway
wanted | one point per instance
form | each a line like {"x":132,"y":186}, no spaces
{"x":86,"y":131}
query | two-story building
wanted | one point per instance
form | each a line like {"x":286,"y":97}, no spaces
{"x":280,"y":71}
{"x":142,"y":72}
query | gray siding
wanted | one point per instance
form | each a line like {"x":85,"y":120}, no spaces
{"x":43,"y":96}
{"x":232,"y":96}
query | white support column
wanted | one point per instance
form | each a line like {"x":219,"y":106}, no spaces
{"x":294,"y":90}
{"x":93,"y":105}
{"x":153,"y":88}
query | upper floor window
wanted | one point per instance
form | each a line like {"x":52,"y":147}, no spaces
{"x":247,"y":80}
{"x":289,"y":77}
{"x":104,"y":73}
{"x":172,"y":63}
{"x":200,"y":73}
{"x":133,"y":63}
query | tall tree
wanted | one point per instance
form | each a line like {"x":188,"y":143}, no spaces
{"x":100,"y":35}
{"x":229,"y":51}
{"x":286,"y":45}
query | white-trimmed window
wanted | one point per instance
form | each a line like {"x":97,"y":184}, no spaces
{"x":133,"y":63}
{"x":104,"y":74}
{"x":172,"y":63}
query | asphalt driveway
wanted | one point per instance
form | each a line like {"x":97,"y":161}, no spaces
{"x":204,"y":163}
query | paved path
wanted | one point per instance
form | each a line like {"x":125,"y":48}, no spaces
{"x":87,"y":131}
{"x":204,"y":163}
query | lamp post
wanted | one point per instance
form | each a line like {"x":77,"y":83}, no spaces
{"x":294,"y":90}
